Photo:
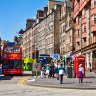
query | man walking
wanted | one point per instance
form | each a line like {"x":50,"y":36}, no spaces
{"x":61,"y":73}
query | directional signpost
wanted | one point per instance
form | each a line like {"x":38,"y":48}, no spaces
{"x":56,"y":56}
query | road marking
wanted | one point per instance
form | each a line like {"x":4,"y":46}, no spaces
{"x":22,"y":81}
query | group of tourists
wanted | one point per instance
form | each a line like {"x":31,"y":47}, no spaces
{"x":58,"y":70}
{"x":53,"y":70}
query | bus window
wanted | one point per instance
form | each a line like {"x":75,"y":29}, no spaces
{"x":6,"y":64}
{"x":17,"y":64}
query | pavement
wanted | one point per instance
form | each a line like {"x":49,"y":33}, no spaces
{"x":89,"y":82}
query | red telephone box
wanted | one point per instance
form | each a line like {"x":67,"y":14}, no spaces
{"x":77,"y":61}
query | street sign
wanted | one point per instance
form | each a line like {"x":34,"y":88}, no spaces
{"x":56,"y":56}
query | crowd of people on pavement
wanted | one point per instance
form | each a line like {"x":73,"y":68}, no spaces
{"x":53,"y":71}
{"x":57,"y":70}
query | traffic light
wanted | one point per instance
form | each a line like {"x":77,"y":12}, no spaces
{"x":33,"y":55}
{"x":37,"y":54}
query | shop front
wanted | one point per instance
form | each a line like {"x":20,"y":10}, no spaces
{"x":94,"y":60}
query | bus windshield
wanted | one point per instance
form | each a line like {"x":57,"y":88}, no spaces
{"x":12,"y":64}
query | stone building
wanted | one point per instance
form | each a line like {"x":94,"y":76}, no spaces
{"x":27,"y":42}
{"x":53,"y":30}
{"x":85,"y":26}
{"x":66,"y":30}
{"x":44,"y":33}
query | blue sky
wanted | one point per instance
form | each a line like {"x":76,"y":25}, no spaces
{"x":13,"y":15}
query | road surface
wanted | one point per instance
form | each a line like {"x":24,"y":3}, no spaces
{"x":15,"y":86}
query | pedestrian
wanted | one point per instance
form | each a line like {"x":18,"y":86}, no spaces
{"x":53,"y":70}
{"x":57,"y":71}
{"x":70,"y":63}
{"x":90,"y":67}
{"x":61,"y":73}
{"x":50,"y":72}
{"x":80,"y":73}
{"x":47,"y":70}
{"x":42,"y":72}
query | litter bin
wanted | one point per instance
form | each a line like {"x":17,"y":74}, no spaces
{"x":69,"y":72}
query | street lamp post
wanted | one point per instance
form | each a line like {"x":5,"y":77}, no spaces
{"x":36,"y":57}
{"x":64,"y":61}
{"x":36,"y":66}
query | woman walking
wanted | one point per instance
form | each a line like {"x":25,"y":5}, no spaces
{"x":80,"y":74}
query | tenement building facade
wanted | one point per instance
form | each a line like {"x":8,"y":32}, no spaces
{"x":44,"y":33}
{"x":85,"y":30}
{"x":66,"y":30}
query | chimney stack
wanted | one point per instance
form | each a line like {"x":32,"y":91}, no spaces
{"x":29,"y":22}
{"x":45,"y":11}
{"x":40,"y":15}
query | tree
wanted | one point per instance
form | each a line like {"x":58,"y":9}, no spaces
{"x":21,"y":31}
{"x":15,"y":38}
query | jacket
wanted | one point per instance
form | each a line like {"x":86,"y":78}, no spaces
{"x":61,"y":70}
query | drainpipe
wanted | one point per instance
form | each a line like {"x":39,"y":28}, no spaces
{"x":80,"y":33}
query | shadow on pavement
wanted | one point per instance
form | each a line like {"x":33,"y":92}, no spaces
{"x":68,"y":83}
{"x":6,"y":77}
{"x":26,"y":75}
{"x":87,"y":82}
{"x":90,"y":77}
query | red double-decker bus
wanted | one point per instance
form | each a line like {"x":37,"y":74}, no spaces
{"x":12,"y":60}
